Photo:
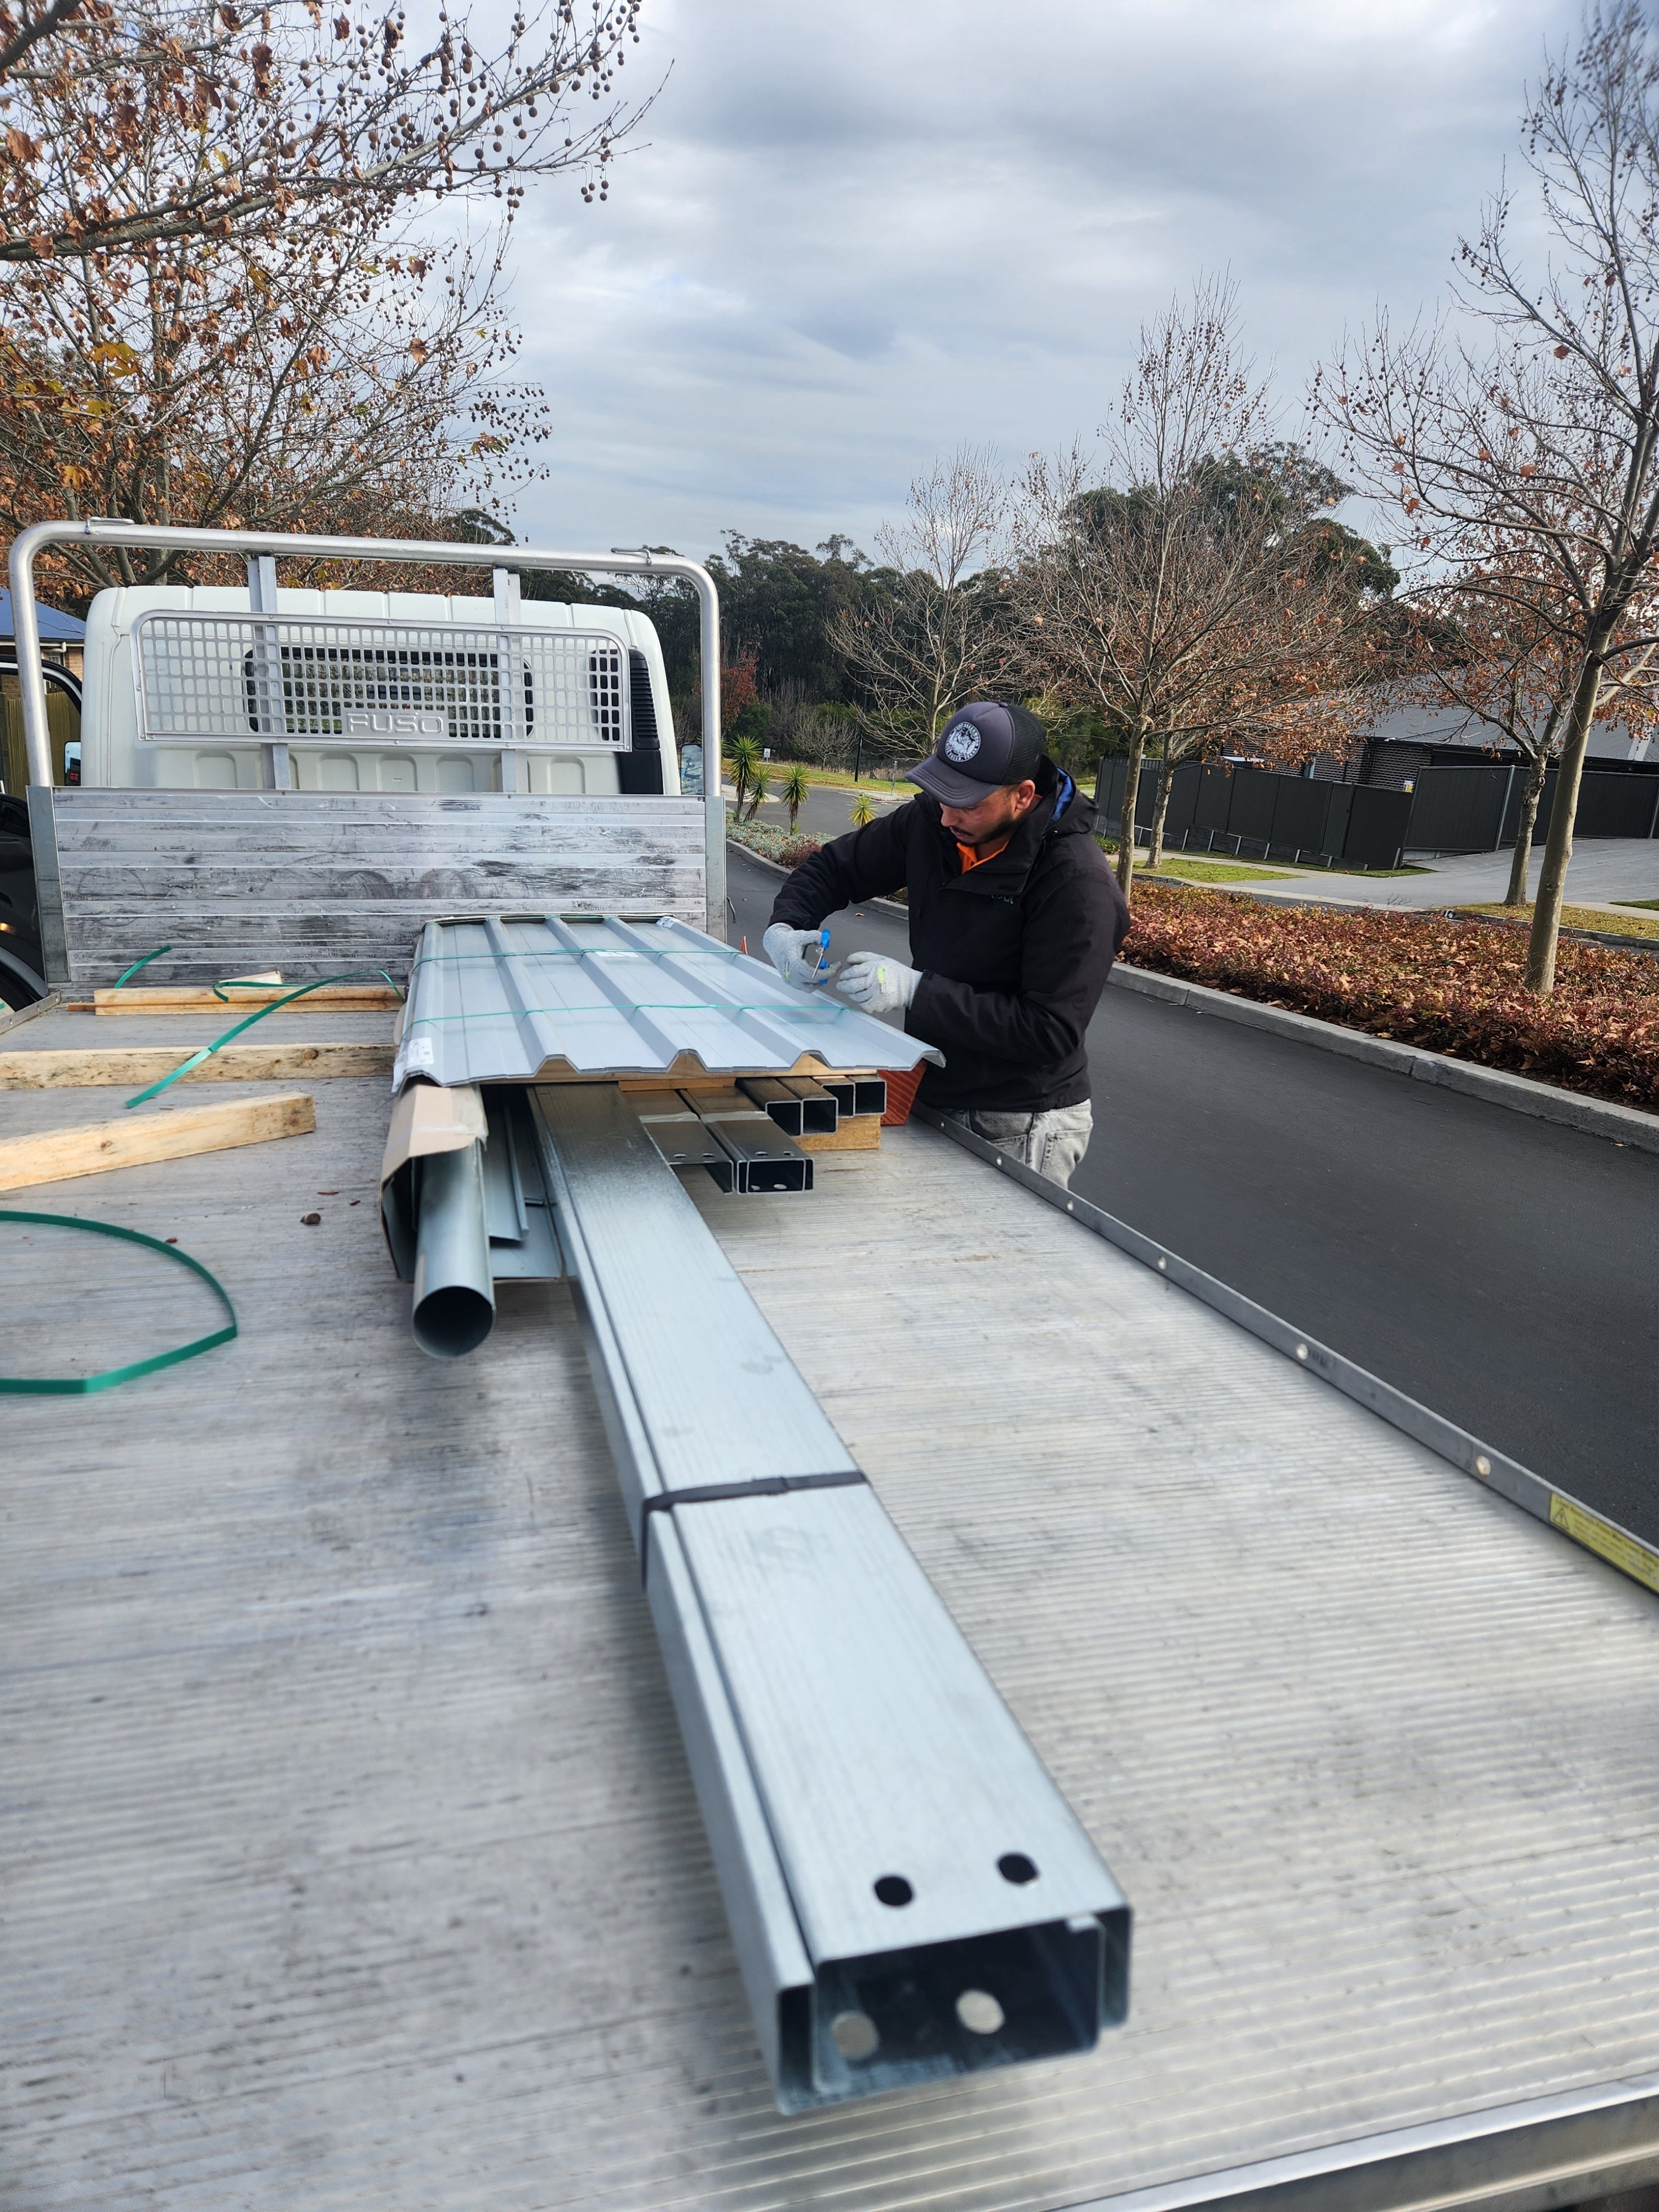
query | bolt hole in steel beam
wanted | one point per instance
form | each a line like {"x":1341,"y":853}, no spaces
{"x":1015,"y":1867}
{"x":893,"y":1889}
{"x":854,"y":2035}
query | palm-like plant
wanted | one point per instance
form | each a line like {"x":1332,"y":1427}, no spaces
{"x":863,"y":812}
{"x":793,"y":789}
{"x":745,"y":768}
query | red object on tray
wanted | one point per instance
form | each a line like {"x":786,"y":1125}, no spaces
{"x":903,"y":1084}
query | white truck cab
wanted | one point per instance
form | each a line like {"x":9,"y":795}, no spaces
{"x":196,"y":688}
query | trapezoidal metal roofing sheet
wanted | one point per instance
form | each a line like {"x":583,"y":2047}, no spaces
{"x":541,"y":997}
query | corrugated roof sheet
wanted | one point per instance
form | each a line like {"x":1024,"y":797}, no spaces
{"x":517,"y":999}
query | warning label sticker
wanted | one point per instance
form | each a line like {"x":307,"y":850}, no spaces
{"x":1598,"y":1535}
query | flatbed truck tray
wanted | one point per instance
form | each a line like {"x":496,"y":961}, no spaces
{"x":349,"y":1851}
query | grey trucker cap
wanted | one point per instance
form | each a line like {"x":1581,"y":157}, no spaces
{"x":985,"y":746}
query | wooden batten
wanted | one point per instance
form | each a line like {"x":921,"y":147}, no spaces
{"x":198,"y":999}
{"x":138,"y":1065}
{"x":56,"y":1154}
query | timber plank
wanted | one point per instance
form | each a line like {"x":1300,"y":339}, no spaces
{"x":93,"y":1147}
{"x":142,"y":1064}
{"x":199,"y":998}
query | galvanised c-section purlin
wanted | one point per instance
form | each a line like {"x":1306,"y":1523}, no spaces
{"x":909,"y":1895}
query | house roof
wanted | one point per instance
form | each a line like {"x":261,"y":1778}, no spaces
{"x":55,"y":628}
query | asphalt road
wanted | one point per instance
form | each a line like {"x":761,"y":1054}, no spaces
{"x":1502,"y":1270}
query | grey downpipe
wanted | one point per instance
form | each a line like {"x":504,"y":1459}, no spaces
{"x":454,"y":1292}
{"x":298,"y":546}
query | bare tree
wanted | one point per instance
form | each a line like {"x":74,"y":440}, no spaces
{"x":301,"y":105}
{"x":919,"y":640}
{"x":1536,"y":455}
{"x":1171,"y":597}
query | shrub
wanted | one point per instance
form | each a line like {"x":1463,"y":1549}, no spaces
{"x":771,"y":842}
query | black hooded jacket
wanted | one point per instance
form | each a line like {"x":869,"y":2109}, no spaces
{"x":1014,"y":953}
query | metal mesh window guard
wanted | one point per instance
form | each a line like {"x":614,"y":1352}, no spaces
{"x":229,"y":675}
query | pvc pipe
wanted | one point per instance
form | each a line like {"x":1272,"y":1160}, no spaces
{"x":454,"y":1305}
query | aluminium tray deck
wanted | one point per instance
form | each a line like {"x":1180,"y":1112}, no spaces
{"x":348,"y":1852}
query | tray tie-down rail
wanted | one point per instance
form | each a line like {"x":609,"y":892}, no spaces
{"x":909,"y":1895}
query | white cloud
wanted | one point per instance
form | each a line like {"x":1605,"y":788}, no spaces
{"x":859,"y":234}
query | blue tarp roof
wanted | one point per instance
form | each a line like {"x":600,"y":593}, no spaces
{"x":55,"y":628}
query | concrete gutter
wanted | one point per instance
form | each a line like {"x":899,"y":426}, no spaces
{"x":1546,"y":1102}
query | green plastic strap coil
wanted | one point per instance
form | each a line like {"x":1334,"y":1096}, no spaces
{"x":75,"y":1386}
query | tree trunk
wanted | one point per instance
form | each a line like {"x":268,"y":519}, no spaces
{"x":1531,"y":791}
{"x":1161,"y":807}
{"x":1126,"y":827}
{"x":1557,"y":846}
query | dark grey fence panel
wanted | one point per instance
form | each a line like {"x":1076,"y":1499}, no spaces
{"x":1614,"y":806}
{"x":1183,"y":800}
{"x":1300,"y":809}
{"x":1459,"y":809}
{"x":1215,"y":805}
{"x":1251,"y":814}
{"x":1214,"y":796}
{"x":1376,"y":826}
{"x":1610,"y":804}
{"x":1334,"y":841}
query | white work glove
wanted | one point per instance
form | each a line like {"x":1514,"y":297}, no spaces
{"x":798,"y":955}
{"x":878,"y":982}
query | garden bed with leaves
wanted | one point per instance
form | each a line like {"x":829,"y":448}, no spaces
{"x":1450,"y":986}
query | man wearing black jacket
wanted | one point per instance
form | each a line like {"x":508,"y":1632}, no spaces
{"x":1015,"y":921}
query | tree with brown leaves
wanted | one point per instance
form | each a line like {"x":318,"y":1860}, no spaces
{"x":283,"y":108}
{"x":325,"y":372}
{"x":1187,"y":598}
{"x":1529,"y":464}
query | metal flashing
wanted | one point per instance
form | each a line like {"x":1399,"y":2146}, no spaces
{"x":550,"y":998}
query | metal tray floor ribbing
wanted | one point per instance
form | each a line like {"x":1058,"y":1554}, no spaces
{"x":350,"y":1856}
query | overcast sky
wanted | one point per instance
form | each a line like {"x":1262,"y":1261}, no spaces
{"x":856,"y":233}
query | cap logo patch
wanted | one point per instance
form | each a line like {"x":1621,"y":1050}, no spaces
{"x":960,"y":743}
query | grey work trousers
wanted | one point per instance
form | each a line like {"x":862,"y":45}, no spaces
{"x":1052,"y":1143}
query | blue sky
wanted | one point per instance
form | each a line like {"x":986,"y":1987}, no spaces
{"x":855,"y":234}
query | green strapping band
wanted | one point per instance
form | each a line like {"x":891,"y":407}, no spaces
{"x":350,"y":975}
{"x":127,"y":973}
{"x":75,"y":1386}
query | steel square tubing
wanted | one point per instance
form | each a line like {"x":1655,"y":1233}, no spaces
{"x":909,"y":1896}
{"x":763,"y":1158}
{"x":860,"y":1094}
{"x":800,"y":1108}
